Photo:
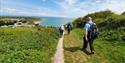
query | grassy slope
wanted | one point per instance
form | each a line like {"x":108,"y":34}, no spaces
{"x":105,"y":51}
{"x":27,"y":45}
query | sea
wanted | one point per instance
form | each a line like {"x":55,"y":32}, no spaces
{"x":55,"y":21}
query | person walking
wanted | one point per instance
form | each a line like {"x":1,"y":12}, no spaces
{"x":90,"y":34}
{"x":69,"y":27}
{"x":61,"y":29}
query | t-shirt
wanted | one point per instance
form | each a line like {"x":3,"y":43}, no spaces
{"x":62,"y":27}
{"x":87,"y":26}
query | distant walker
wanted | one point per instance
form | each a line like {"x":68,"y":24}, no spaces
{"x":61,"y":30}
{"x":69,"y":27}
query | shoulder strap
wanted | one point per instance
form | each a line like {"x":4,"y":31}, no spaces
{"x":90,"y":24}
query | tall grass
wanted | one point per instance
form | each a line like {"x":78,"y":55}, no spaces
{"x":27,"y":45}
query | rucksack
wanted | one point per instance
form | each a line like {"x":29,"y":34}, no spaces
{"x":94,"y":32}
{"x":69,"y":26}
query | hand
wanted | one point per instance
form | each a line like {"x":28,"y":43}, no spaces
{"x":86,"y":39}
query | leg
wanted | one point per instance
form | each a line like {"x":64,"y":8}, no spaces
{"x":68,"y":31}
{"x":91,"y":45}
{"x":84,"y":44}
{"x":61,"y":33}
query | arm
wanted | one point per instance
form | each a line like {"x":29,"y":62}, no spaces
{"x":86,"y":34}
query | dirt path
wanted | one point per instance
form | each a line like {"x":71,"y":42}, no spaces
{"x":72,"y":49}
{"x":59,"y":56}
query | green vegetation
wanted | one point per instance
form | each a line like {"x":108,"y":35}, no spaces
{"x":110,"y":24}
{"x":103,"y":19}
{"x":105,"y":51}
{"x":28,"y":45}
{"x":109,"y":47}
{"x":38,"y":44}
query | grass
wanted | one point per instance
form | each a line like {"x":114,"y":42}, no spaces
{"x":28,"y":45}
{"x":105,"y":51}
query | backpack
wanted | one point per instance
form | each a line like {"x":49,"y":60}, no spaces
{"x":69,"y":27}
{"x":94,"y":32}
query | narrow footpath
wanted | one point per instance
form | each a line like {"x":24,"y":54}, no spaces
{"x":59,"y":55}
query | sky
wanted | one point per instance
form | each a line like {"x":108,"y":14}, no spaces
{"x":59,"y":8}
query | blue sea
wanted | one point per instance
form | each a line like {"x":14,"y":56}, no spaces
{"x":54,"y":21}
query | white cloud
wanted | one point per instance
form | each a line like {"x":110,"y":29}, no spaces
{"x":69,"y":8}
{"x":117,"y":6}
{"x":70,"y":2}
{"x":38,"y":11}
{"x":8,"y":10}
{"x":43,"y":0}
{"x":74,"y":8}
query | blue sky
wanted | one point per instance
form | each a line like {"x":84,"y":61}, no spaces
{"x":59,"y":8}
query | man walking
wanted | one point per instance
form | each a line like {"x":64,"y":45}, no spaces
{"x":61,"y":29}
{"x":88,"y":35}
{"x":69,"y":27}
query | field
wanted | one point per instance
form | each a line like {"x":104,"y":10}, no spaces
{"x":38,"y":44}
{"x":106,"y":51}
{"x":28,"y":45}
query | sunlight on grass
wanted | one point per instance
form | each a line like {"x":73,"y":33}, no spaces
{"x":105,"y":51}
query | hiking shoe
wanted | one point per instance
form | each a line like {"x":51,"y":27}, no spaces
{"x":83,"y":49}
{"x":92,"y":52}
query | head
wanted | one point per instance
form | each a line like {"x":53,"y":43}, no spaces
{"x":89,"y":19}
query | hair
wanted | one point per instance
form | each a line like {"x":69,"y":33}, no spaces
{"x":89,"y":18}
